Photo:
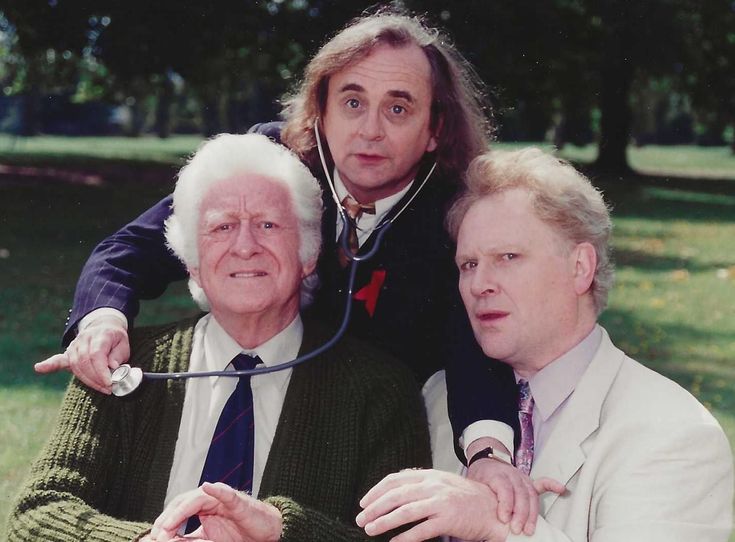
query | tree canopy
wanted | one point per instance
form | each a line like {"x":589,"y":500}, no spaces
{"x":567,"y":70}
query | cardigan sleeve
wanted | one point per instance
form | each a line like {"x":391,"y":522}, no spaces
{"x":304,"y":524}
{"x":68,"y":482}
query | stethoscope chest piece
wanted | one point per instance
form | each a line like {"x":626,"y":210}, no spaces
{"x":125,"y":380}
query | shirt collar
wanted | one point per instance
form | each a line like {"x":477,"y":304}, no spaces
{"x":382,"y":206}
{"x":553,"y":384}
{"x":220,"y":347}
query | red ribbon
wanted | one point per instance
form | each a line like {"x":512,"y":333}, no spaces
{"x":369,"y":294}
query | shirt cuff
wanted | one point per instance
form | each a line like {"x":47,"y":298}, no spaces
{"x":487,"y":428}
{"x":98,"y":314}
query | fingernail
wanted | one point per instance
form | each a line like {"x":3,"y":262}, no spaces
{"x":360,"y":519}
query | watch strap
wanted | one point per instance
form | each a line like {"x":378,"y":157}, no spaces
{"x":490,"y":453}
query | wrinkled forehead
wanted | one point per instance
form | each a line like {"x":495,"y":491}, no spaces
{"x":382,"y":64}
{"x":390,"y":59}
{"x":247,"y":193}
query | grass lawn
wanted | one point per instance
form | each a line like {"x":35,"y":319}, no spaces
{"x":673,"y":307}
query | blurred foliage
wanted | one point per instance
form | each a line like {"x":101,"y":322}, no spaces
{"x":711,"y":84}
{"x":560,"y":70}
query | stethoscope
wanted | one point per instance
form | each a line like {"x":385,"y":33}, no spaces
{"x":126,"y":379}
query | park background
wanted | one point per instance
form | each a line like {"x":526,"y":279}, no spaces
{"x":100,"y":103}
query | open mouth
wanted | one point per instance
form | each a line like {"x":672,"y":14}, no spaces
{"x":491,"y":316}
{"x":370,"y":158}
{"x":248,"y":274}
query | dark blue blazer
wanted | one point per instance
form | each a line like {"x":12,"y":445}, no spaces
{"x":410,"y":304}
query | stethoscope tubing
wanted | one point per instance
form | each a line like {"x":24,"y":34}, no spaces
{"x":355,"y":260}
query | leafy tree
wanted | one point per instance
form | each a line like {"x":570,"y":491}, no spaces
{"x":708,"y":72}
{"x":50,"y":37}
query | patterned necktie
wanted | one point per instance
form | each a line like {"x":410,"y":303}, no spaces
{"x":354,"y":211}
{"x":230,"y":456}
{"x":524,"y":454}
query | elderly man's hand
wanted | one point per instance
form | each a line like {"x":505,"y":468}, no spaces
{"x":226,"y":515}
{"x":440,"y":503}
{"x":100,"y":347}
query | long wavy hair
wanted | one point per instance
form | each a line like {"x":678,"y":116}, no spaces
{"x":459,"y":117}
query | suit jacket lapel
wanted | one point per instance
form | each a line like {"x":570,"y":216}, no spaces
{"x":563,"y":455}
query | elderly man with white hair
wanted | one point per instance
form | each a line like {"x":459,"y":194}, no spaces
{"x":281,"y":456}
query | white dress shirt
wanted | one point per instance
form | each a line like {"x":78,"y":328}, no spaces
{"x":213,"y":350}
{"x":367,"y":222}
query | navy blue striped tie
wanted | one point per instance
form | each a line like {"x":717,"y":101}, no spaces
{"x":230,"y":456}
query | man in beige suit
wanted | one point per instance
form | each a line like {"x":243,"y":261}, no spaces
{"x":642,"y":460}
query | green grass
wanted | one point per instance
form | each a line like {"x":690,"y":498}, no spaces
{"x":673,"y":306}
{"x":678,"y":161}
{"x":65,"y":150}
{"x":708,"y":162}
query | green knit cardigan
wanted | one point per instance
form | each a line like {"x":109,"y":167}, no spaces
{"x":349,"y":418}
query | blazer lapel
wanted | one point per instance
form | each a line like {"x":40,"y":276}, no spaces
{"x":562,"y":455}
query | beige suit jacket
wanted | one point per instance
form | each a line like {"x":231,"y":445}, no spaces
{"x":642,"y":459}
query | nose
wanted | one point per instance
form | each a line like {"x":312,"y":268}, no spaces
{"x":371,"y":127}
{"x":245,"y":244}
{"x":483,"y":281}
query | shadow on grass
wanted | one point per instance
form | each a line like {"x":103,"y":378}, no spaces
{"x":645,"y":260}
{"x":666,"y":197}
{"x":683,"y":353}
{"x":48,"y":230}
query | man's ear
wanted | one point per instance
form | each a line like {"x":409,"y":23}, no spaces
{"x":436,"y":129}
{"x":585,"y":264}
{"x":308,"y":268}
{"x":194,"y":274}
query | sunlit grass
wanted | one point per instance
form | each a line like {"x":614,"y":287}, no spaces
{"x":673,"y":306}
{"x":63,"y":150}
{"x":678,"y":161}
{"x":710,"y":162}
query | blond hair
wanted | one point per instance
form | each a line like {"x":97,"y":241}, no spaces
{"x":458,"y":118}
{"x":560,"y":195}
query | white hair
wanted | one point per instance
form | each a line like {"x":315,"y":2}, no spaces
{"x":223,"y":157}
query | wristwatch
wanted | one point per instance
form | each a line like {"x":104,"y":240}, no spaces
{"x":490,"y":453}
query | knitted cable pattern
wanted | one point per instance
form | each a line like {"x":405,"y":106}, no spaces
{"x":349,"y":418}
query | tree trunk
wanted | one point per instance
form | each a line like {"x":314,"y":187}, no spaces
{"x":137,"y":118}
{"x":617,"y":72}
{"x":163,"y":107}
{"x":210,"y":116}
{"x":30,"y":124}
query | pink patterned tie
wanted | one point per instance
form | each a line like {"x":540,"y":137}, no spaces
{"x":524,"y":453}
